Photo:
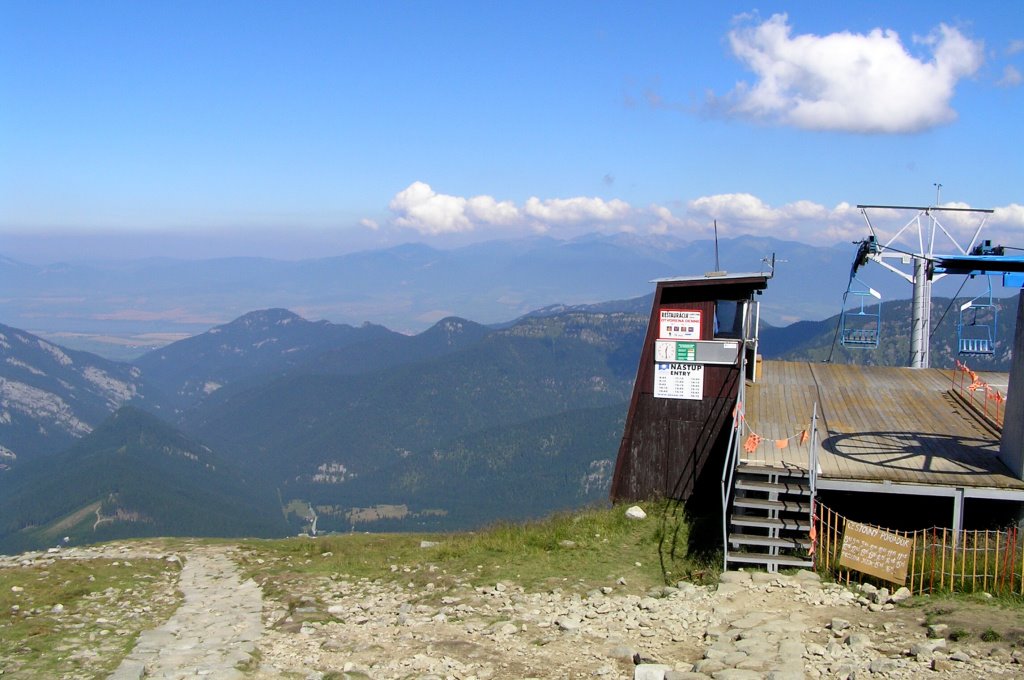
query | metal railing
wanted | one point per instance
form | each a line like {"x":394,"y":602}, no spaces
{"x":732,"y":457}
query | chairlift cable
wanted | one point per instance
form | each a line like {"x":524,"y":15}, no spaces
{"x":948,"y":306}
{"x":839,"y":322}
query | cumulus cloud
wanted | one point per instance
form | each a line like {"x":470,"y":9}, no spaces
{"x":421,"y":208}
{"x":867,"y":83}
{"x":573,"y":210}
{"x":801,"y":220}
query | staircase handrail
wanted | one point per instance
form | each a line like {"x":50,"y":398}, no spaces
{"x":732,"y":457}
{"x":812,"y":454}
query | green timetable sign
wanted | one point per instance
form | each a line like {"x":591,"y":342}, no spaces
{"x":696,"y":351}
{"x":674,"y":350}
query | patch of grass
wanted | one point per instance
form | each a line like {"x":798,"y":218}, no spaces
{"x":991,"y":635}
{"x":51,"y":607}
{"x":958,"y":634}
{"x":575,"y":551}
{"x":251,"y":664}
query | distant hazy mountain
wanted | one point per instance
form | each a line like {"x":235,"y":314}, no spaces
{"x":50,"y":396}
{"x":546,"y":396}
{"x":259,"y":343}
{"x":407,"y":288}
{"x":131,"y":476}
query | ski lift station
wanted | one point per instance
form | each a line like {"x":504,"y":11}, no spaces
{"x":767,"y":438}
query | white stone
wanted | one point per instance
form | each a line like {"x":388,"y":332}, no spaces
{"x":636,"y":512}
{"x":651,"y":671}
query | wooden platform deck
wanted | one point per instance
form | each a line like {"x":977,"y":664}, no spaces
{"x":875,"y":425}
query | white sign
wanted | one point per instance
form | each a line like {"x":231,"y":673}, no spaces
{"x":679,"y":381}
{"x":679,"y":324}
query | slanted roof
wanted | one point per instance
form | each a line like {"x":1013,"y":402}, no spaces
{"x":716,"y":277}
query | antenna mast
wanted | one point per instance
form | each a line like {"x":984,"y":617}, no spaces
{"x":717,"y":268}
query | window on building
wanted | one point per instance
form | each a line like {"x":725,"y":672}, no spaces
{"x":729,"y":319}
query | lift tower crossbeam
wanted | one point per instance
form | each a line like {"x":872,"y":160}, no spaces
{"x":927,"y":228}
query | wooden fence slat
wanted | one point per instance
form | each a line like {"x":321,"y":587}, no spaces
{"x":942,"y":572}
{"x":974,"y":571}
{"x":984,"y":584}
{"x":963,"y":557}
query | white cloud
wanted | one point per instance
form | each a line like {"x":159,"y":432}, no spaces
{"x":1015,"y":47}
{"x":664,"y":220}
{"x":369,"y":224}
{"x":420,"y":208}
{"x":486,"y":209}
{"x":1009,"y":216}
{"x":573,"y":210}
{"x":848,"y":81}
{"x":802,"y":220}
{"x":1011,"y":77}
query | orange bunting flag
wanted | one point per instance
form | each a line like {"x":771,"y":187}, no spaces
{"x":737,"y":415}
{"x":781,"y":443}
{"x":804,"y":437}
{"x":752,"y":442}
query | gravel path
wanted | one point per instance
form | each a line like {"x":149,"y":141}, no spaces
{"x":750,"y":626}
{"x":211,"y":634}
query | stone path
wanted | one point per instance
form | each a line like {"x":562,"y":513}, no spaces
{"x":214,"y":631}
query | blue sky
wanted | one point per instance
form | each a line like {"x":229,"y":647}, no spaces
{"x":303,"y":129}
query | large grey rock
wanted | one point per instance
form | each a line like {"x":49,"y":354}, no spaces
{"x":839,"y":625}
{"x":785,"y":675}
{"x":883,"y":665}
{"x":737,"y":674}
{"x":570,"y":624}
{"x":902,"y":593}
{"x":651,"y":671}
{"x":927,"y":648}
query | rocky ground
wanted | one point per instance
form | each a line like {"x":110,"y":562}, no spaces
{"x":751,"y":625}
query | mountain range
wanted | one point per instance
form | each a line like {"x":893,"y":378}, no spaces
{"x":458,"y":425}
{"x":406,"y":288}
{"x":296,"y":423}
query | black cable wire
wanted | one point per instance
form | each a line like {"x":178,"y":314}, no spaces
{"x":951,"y":301}
{"x":838,"y":322}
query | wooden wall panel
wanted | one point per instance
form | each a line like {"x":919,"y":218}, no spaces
{"x":668,"y":442}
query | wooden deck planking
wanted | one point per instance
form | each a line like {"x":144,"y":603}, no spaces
{"x":875,"y":424}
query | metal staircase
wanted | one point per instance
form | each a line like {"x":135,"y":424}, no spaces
{"x":767,"y":509}
{"x":771,"y":517}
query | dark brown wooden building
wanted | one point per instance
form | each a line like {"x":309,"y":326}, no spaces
{"x":702,"y":332}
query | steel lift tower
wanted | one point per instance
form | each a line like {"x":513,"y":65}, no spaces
{"x":914,"y":246}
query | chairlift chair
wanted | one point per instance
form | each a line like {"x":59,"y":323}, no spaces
{"x":861,"y":328}
{"x":976,"y":328}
